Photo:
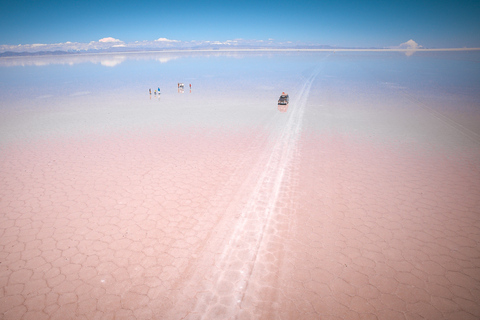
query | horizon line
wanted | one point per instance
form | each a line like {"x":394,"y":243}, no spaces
{"x":177,"y":50}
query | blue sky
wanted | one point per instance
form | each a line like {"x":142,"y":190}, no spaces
{"x":340,"y":23}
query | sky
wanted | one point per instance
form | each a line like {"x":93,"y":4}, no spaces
{"x":431,"y":23}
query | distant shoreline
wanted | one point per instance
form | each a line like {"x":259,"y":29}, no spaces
{"x":9,"y":54}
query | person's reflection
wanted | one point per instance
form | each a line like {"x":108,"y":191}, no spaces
{"x":155,"y":95}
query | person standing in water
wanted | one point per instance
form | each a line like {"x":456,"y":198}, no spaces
{"x":150,"y":91}
{"x":158,"y":90}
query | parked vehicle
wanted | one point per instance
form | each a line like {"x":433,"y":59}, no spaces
{"x":283,"y":100}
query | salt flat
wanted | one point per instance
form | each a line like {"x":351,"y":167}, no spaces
{"x":359,"y":200}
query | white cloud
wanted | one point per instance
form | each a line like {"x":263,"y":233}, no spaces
{"x":109,"y":39}
{"x":166,"y":40}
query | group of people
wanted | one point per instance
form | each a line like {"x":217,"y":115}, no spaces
{"x":180,"y":86}
{"x":155,"y":92}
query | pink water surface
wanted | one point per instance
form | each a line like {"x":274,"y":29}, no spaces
{"x":358,"y":201}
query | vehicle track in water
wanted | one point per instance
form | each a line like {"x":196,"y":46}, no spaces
{"x":229,"y":279}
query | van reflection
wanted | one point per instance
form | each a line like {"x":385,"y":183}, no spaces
{"x":283,"y":107}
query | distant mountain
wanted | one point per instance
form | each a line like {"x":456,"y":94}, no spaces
{"x":37,"y":53}
{"x":162,"y":44}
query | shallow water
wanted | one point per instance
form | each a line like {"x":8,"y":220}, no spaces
{"x":359,"y":199}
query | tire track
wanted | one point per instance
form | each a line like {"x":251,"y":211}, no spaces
{"x":234,"y":266}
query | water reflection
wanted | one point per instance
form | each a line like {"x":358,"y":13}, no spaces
{"x":410,"y":53}
{"x":107,"y":60}
{"x":283,"y":107}
{"x":155,"y":96}
{"x":114,"y":59}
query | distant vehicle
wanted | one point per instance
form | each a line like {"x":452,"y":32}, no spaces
{"x":283,"y":100}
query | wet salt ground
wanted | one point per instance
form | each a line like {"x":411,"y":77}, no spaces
{"x":360,"y":201}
